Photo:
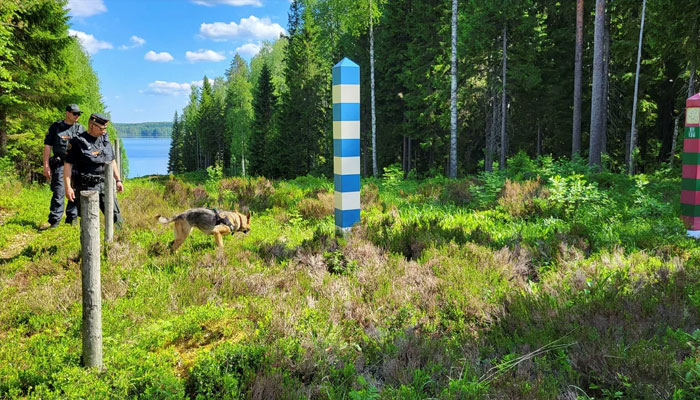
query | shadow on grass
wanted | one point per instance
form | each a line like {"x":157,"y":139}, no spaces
{"x":30,"y":252}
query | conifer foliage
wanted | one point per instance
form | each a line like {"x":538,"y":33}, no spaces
{"x":42,"y":69}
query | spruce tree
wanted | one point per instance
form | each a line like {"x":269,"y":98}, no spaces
{"x":263,"y":124}
{"x":33,"y":36}
{"x":302,"y":143}
{"x":189,"y":124}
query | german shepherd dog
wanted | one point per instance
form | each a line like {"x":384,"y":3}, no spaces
{"x":209,"y":221}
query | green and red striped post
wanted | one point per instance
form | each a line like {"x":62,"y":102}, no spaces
{"x":690,"y":186}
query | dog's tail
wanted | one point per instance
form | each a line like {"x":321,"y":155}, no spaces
{"x":164,"y":220}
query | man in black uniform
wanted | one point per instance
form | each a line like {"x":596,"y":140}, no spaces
{"x":56,"y":140}
{"x":85,"y":164}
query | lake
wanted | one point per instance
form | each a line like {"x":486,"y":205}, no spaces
{"x":147,"y":156}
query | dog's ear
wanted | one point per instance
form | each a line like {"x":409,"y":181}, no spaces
{"x":247,"y":217}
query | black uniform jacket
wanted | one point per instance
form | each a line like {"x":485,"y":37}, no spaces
{"x":60,"y":133}
{"x":89,"y":154}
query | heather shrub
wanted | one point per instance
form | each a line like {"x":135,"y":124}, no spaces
{"x":518,"y":198}
{"x":254,"y":193}
{"x":175,"y":191}
{"x":369,"y":194}
{"x":319,"y":207}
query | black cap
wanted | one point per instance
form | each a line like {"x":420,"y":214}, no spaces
{"x":99,"y":118}
{"x":73,"y":108}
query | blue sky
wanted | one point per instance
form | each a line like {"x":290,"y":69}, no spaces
{"x":147,"y":53}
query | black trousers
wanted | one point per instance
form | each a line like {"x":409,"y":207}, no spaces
{"x":58,"y":199}
{"x":100,"y":188}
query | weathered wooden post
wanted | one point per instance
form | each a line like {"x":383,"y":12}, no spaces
{"x":109,"y":203}
{"x":690,"y":183}
{"x":118,"y":155}
{"x":92,"y":291}
{"x":346,"y":143}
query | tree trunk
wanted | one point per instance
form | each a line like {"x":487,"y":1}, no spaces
{"x":495,"y":122}
{"x":691,"y":81}
{"x":606,"y":85}
{"x":673,"y":143}
{"x":539,"y":138}
{"x":453,"y":96}
{"x":630,"y":161}
{"x":598,"y":118}
{"x":502,"y":163}
{"x":375,"y":170}
{"x":3,"y":133}
{"x":406,"y":156}
{"x":576,"y":132}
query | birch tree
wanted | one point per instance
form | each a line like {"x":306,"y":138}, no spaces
{"x":453,"y":96}
{"x":598,"y":117}
{"x":630,"y":160}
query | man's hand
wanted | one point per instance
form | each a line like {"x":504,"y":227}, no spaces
{"x":120,"y":186}
{"x":47,"y":172}
{"x":70,"y":193}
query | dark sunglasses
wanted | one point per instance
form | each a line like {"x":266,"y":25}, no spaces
{"x":77,"y":114}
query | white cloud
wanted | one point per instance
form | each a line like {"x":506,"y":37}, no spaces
{"x":164,"y":88}
{"x":88,"y":41}
{"x":135,"y":42}
{"x":248,"y":49}
{"x":249,"y":28}
{"x":85,"y":8}
{"x":211,"y":3}
{"x":158,"y":57}
{"x":204,"y":55}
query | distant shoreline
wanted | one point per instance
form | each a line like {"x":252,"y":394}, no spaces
{"x":144,"y":129}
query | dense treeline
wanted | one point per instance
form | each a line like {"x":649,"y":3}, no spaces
{"x":279,"y":123}
{"x":41,"y":70}
{"x":144,"y":129}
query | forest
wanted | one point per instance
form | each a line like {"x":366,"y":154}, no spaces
{"x":538,"y":76}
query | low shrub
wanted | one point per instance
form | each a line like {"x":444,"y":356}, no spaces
{"x":518,"y":198}
{"x":226,"y":373}
{"x":175,"y":190}
{"x":319,"y":207}
{"x":254,"y":193}
{"x":457,"y":192}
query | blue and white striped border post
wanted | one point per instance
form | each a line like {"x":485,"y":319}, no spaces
{"x":346,"y":143}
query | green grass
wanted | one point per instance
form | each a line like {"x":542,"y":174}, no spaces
{"x":548,"y":281}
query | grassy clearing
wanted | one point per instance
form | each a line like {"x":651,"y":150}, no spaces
{"x":549,"y":282}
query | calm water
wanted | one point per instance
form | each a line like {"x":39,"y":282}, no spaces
{"x":147,"y":156}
